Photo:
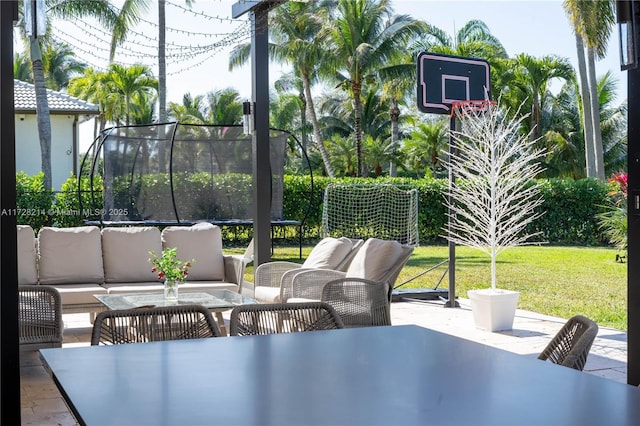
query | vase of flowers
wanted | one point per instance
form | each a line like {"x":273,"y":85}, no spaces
{"x":173,"y":270}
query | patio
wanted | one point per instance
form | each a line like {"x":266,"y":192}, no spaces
{"x":42,"y":404}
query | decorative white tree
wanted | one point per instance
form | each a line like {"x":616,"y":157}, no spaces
{"x":495,"y":198}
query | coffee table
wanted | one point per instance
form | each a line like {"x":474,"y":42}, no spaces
{"x":216,"y":301}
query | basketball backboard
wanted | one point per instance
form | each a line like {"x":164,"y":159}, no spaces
{"x":443,"y":79}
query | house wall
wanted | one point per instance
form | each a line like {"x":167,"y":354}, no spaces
{"x":28,"y":147}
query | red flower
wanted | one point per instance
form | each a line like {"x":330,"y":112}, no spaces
{"x":621,"y":179}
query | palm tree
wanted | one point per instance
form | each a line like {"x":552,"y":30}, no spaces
{"x":299,"y":40}
{"x":217,"y":107}
{"x":224,"y":107}
{"x":425,"y":145}
{"x":129,"y":15}
{"x":563,"y":132}
{"x":399,"y":80}
{"x":364,"y":36}
{"x":613,"y":123}
{"x":592,"y":22}
{"x":289,"y":110}
{"x":22,"y":67}
{"x":473,"y":40}
{"x":342,"y":151}
{"x":92,"y":87}
{"x":376,"y":125}
{"x":532,"y":79}
{"x":190,"y":111}
{"x":126,"y":82}
{"x":563,"y":136}
{"x":142,"y":108}
{"x":63,"y":9}
{"x":60,"y":65}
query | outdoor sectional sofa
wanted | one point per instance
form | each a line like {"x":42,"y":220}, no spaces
{"x":83,"y":261}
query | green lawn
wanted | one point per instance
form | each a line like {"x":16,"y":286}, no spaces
{"x":552,"y":280}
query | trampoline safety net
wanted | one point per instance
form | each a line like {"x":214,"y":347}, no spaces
{"x":177,"y":172}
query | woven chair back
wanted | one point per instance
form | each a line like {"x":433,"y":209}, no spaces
{"x":275,"y":318}
{"x":571,"y":345}
{"x":153,"y":324}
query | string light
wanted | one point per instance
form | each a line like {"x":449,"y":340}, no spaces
{"x":92,"y":43}
{"x":201,"y":14}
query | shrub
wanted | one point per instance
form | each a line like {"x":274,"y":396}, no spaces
{"x":570,"y":207}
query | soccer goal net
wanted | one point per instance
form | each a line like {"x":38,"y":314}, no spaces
{"x":384,"y":211}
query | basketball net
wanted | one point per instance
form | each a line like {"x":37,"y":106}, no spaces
{"x":459,"y":108}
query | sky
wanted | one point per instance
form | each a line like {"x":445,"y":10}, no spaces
{"x":200,"y":38}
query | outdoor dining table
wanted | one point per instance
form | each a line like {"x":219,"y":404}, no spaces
{"x":389,"y":375}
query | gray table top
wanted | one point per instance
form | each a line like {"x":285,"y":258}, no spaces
{"x":399,"y":375}
{"x":211,"y":299}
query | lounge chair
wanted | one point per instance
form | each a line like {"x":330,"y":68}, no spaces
{"x":272,"y":279}
{"x":377,"y":261}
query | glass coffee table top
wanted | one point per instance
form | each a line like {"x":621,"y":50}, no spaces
{"x":211,"y":299}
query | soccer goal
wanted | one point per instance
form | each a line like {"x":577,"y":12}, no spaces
{"x":384,"y":211}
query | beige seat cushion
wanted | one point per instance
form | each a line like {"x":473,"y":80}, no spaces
{"x":201,"y":242}
{"x":70,"y":255}
{"x":79,"y":294}
{"x":27,"y":256}
{"x":328,"y":253}
{"x":375,"y":260}
{"x":266,"y":294}
{"x":125,"y":252}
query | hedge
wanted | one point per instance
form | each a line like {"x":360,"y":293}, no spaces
{"x":569,"y":216}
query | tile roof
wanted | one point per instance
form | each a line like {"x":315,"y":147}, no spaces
{"x":24,"y":100}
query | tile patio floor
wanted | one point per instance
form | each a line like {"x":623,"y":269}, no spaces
{"x":43,"y":405}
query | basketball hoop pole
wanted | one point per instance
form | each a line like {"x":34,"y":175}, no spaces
{"x":453,"y":85}
{"x":452,"y":303}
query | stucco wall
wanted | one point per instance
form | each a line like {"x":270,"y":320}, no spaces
{"x":28,"y":147}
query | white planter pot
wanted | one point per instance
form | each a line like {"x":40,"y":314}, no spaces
{"x":493,"y":310}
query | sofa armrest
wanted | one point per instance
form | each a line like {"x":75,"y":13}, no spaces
{"x":234,"y":270}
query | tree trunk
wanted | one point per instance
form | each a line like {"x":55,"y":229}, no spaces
{"x":162,"y":85}
{"x":303,"y":121}
{"x":42,"y":112}
{"x":394,"y":115}
{"x":595,"y":114}
{"x":356,"y":89}
{"x":162,"y":66}
{"x":587,"y":121}
{"x":536,"y":116}
{"x":316,"y":127}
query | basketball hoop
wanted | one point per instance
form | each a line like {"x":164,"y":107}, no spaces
{"x":466,"y":107}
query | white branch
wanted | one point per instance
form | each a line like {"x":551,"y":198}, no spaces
{"x":495,"y":198}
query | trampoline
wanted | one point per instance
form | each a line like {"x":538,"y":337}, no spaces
{"x":181,"y":174}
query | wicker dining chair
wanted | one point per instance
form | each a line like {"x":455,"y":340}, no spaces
{"x":570,"y":346}
{"x":153,"y":324}
{"x":359,"y":302}
{"x":271,"y":318}
{"x":39,"y":317}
